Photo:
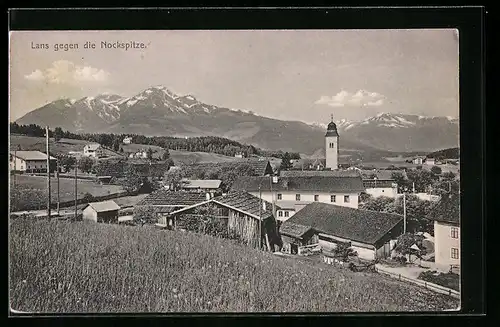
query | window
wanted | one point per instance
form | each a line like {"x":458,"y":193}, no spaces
{"x":316,"y":198}
{"x":297,"y":197}
{"x":332,"y":198}
{"x":454,"y":232}
{"x":280,"y":213}
{"x":346,"y":198}
{"x":332,"y":145}
{"x":280,"y":196}
{"x":287,"y":214}
{"x":454,"y":253}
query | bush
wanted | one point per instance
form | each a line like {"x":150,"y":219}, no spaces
{"x":88,"y":197}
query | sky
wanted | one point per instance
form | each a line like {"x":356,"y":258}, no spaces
{"x":304,"y":75}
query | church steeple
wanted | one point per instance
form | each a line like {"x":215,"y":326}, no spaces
{"x":332,"y":128}
{"x":332,"y":145}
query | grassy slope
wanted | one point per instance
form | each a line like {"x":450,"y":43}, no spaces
{"x":86,"y":267}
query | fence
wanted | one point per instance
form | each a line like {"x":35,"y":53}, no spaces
{"x":431,"y":286}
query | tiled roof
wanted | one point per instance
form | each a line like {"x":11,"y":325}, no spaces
{"x":165,"y":197}
{"x":247,"y":203}
{"x":303,"y":183}
{"x":31,"y":155}
{"x":324,"y":173}
{"x":294,"y":230}
{"x":382,"y":173}
{"x":104,"y":206}
{"x":447,"y":209}
{"x":200,"y":183}
{"x":353,"y":224}
{"x":288,"y":204}
{"x":304,"y":163}
{"x":261,"y":167}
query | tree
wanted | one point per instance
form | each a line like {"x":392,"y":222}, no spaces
{"x":421,"y":178}
{"x":86,"y":164}
{"x":121,"y":150}
{"x":88,"y":197}
{"x":380,"y":204}
{"x":149,"y":153}
{"x":406,"y":241}
{"x":165,"y":155}
{"x":448,"y":175}
{"x":67,"y":162}
{"x":285,"y":162}
{"x":132,"y":180}
{"x":436,"y":170}
{"x":173,"y":178}
{"x":58,"y":134}
{"x":116,"y":144}
{"x":364,"y":197}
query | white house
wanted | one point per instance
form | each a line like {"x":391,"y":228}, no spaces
{"x":430,"y":161}
{"x":446,"y":216}
{"x":377,"y":187}
{"x":93,"y":150}
{"x":418,"y":160}
{"x":30,"y":161}
{"x":337,"y":190}
{"x":106,"y":211}
{"x":369,"y":233}
{"x":127,"y":140}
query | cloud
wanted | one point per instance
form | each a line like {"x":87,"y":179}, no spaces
{"x":66,"y":72}
{"x":360,"y":98}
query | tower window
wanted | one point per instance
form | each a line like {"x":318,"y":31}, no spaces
{"x":316,"y":198}
{"x":332,"y":145}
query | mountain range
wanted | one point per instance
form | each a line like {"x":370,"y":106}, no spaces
{"x":158,"y":111}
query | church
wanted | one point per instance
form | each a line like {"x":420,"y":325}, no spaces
{"x":332,"y":147}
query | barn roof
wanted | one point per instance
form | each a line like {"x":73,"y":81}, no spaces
{"x":301,"y":183}
{"x":294,"y":230}
{"x":165,"y":197}
{"x":104,"y":206}
{"x":354,"y":224}
{"x":261,"y":167}
{"x":447,"y":209}
{"x":200,"y":183}
{"x":31,"y":155}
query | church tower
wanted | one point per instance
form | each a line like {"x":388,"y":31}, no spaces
{"x":332,"y":146}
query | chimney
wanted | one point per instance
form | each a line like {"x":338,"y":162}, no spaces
{"x":275,"y":179}
{"x":264,"y":205}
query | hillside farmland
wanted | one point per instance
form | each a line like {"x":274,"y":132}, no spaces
{"x":85,"y":267}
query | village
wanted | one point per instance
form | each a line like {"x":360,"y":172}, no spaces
{"x":321,"y":210}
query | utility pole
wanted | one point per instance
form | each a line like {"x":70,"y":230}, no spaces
{"x":404,"y":213}
{"x":48,"y":170}
{"x":260,"y":218}
{"x":58,"y":197}
{"x":76,"y":188}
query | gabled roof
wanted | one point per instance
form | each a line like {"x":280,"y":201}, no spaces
{"x":354,"y":224}
{"x":31,"y":155}
{"x":447,"y":209}
{"x":294,"y":230}
{"x":261,"y":167}
{"x":323,"y":173}
{"x":239,"y":201}
{"x":165,"y":197}
{"x":290,"y":204}
{"x":329,"y":184}
{"x":93,"y":146}
{"x":104,"y":206}
{"x":200,"y":183}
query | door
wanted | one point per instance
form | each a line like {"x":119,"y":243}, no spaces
{"x":294,"y":249}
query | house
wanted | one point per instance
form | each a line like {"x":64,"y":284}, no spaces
{"x":31,"y":162}
{"x":446,"y":217}
{"x":381,"y":187}
{"x":164,"y":201}
{"x":243,"y":214}
{"x":430,"y":161}
{"x":418,"y":160}
{"x":101,"y":212}
{"x":239,"y":155}
{"x":93,"y":150}
{"x":127,"y":140}
{"x":260,"y":167}
{"x":288,"y":209}
{"x":339,"y":190}
{"x":211,"y":186}
{"x":369,"y":233}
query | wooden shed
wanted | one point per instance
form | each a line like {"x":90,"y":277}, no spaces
{"x":101,"y":212}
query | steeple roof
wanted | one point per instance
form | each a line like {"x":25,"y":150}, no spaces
{"x":332,"y":129}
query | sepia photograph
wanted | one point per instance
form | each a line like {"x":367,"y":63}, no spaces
{"x":234,"y":171}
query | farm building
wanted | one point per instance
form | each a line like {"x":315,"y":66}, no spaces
{"x":93,"y":150}
{"x":260,"y":167}
{"x":127,"y":140}
{"x":163,"y":201}
{"x":341,"y":190}
{"x":369,"y":233}
{"x":101,"y":212}
{"x":243,"y":214}
{"x":211,"y":186}
{"x":31,"y":162}
{"x":446,"y":216}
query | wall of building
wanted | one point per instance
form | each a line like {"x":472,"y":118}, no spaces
{"x":332,"y":154}
{"x":89,"y":214}
{"x":30,"y":165}
{"x":309,"y":196}
{"x":107,"y":217}
{"x":443,"y":243}
{"x":17,"y":164}
{"x":284,"y":214}
{"x":382,"y":191}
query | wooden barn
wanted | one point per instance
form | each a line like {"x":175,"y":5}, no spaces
{"x":101,"y":212}
{"x":163,"y":202}
{"x":369,"y":233}
{"x":244,"y":215}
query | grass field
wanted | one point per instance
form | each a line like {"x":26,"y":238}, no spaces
{"x":86,"y":267}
